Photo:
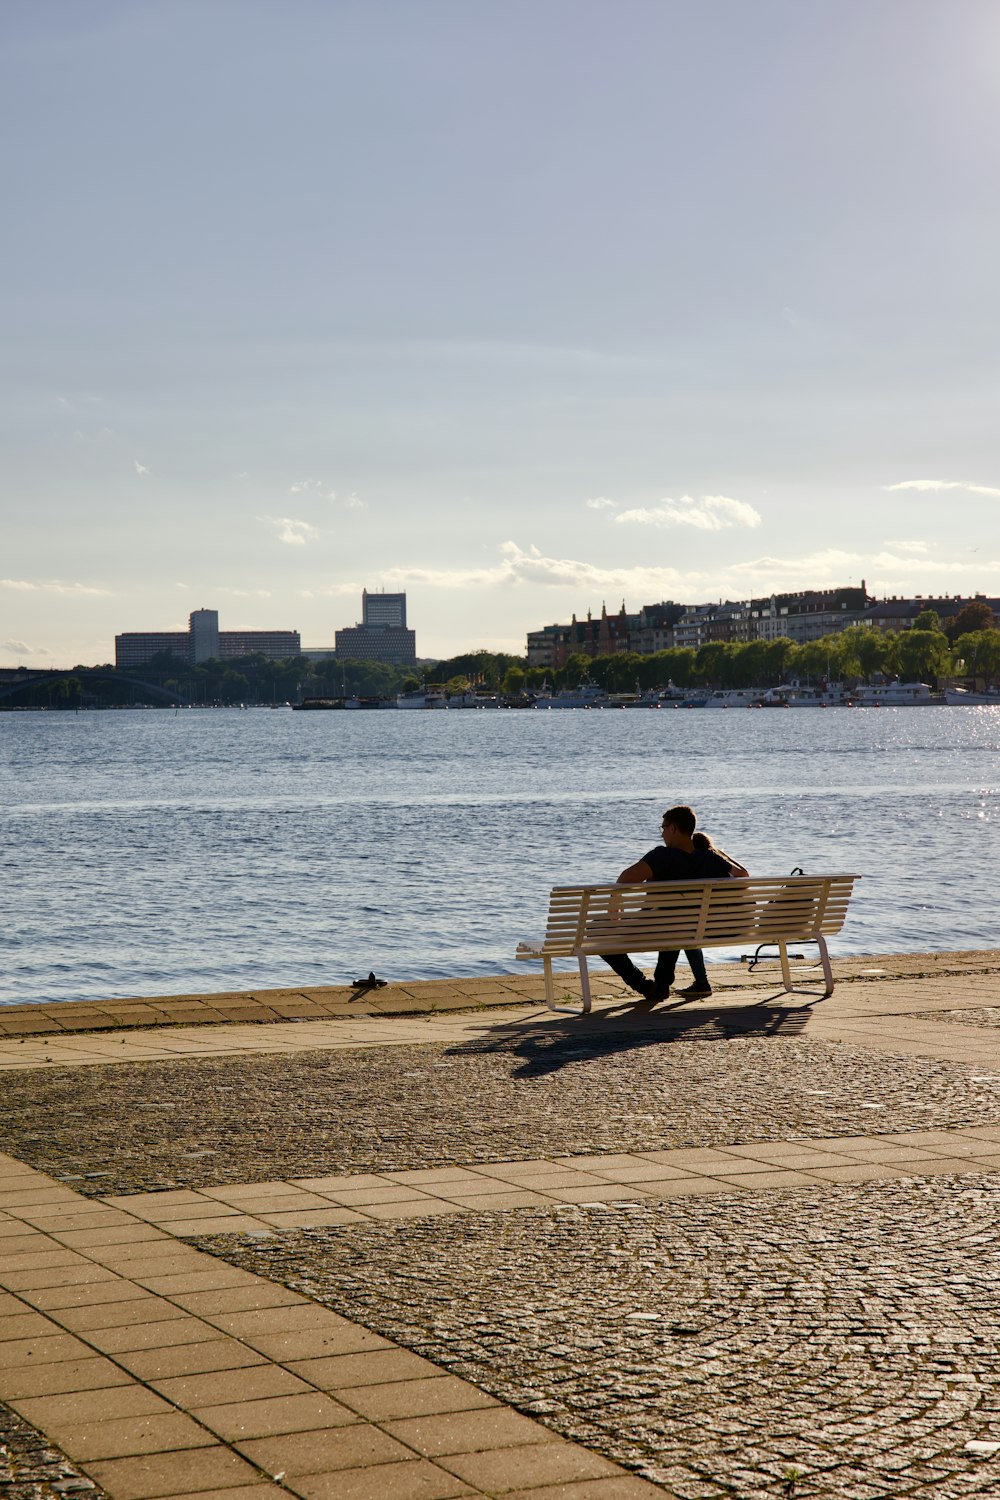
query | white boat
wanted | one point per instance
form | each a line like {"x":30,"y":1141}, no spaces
{"x":432,"y":698}
{"x":474,"y":700}
{"x":795,"y":695}
{"x":734,"y":698}
{"x":959,"y":697}
{"x":897,"y":695}
{"x":587,"y":695}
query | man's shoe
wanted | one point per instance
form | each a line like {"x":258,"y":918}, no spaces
{"x":696,"y":992}
{"x":646,"y":988}
{"x":660,"y":994}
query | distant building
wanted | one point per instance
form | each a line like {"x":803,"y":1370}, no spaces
{"x":382,"y":634}
{"x":899,"y":614}
{"x":204,"y":641}
{"x":136,"y":647}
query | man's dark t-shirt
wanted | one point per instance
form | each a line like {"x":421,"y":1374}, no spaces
{"x":675,"y":864}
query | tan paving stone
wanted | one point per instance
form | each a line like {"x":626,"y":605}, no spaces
{"x":686,"y":1187}
{"x":428,"y":1397}
{"x":293,"y":1318}
{"x":140,"y":1311}
{"x":164,"y":1334}
{"x":237,"y":1299}
{"x":42,"y":1349}
{"x":862,"y":1172}
{"x":274,"y":1415}
{"x":499,"y":1469}
{"x":316,"y":1452}
{"x":123,"y":1437}
{"x":329,"y":1185}
{"x":124,"y":1234}
{"x":185,"y":1473}
{"x":219,"y":1388}
{"x":468,"y":1431}
{"x":188,"y":1359}
{"x":417,"y":1210}
{"x":22,"y":1325}
{"x":622,"y":1487}
{"x":747,"y":1180}
{"x":264,"y":1194}
{"x":502,"y":1200}
{"x":315,"y":1218}
{"x":52,"y":1413}
{"x":414,"y":1480}
{"x":374,"y":1366}
{"x":191,"y":1281}
{"x":598,"y":1192}
{"x":234,"y":1224}
{"x":56,"y":1276}
{"x":365,"y":1197}
{"x":90,"y":1294}
{"x":295,"y":1348}
{"x":60,"y":1377}
{"x":262,"y":1490}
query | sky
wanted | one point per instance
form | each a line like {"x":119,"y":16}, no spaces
{"x":522,"y":306}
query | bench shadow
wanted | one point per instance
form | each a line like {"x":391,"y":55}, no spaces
{"x":547,"y":1045}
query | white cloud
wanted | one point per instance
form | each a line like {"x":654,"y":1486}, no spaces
{"x":140,"y":469}
{"x":181,"y":585}
{"x":943,"y":484}
{"x":20,"y":648}
{"x":709,"y":513}
{"x":918,"y":548}
{"x":294,"y":533}
{"x":321,"y":491}
{"x":885,"y":572}
{"x":600,"y":503}
{"x":52,"y":586}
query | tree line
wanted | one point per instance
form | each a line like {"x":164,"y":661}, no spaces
{"x":926,"y":653}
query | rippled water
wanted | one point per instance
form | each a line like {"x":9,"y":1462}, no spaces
{"x":161,"y":853}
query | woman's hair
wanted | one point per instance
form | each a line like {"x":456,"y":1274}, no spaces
{"x":702,"y":841}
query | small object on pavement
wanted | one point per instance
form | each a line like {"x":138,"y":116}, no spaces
{"x":371,"y":983}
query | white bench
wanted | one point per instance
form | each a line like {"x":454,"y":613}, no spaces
{"x":659,"y":916}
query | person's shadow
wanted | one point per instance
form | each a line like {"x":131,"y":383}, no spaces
{"x":549,"y":1045}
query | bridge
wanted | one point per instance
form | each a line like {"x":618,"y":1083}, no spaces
{"x":14,"y":680}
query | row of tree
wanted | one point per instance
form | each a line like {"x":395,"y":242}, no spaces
{"x":924,"y":653}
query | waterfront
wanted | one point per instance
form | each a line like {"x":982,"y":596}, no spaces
{"x":158,"y":853}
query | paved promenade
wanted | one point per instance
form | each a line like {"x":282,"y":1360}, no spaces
{"x":435,"y":1241}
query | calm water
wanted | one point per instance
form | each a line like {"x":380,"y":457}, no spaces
{"x":161,"y":853}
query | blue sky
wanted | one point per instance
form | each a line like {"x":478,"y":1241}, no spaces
{"x":519,"y":306}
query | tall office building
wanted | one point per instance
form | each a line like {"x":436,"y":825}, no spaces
{"x":382,"y":634}
{"x":380,"y":610}
{"x":204,"y":628}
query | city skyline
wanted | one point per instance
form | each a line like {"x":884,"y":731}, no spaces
{"x":514,"y":310}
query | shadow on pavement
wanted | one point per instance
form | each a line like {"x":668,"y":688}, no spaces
{"x":547,"y":1045}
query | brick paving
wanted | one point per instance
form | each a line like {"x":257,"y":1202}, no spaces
{"x":493,"y":1296}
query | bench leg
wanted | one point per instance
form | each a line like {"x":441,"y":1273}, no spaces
{"x":786,"y":971}
{"x":550,"y":996}
{"x":827,"y":969}
{"x":584,"y":982}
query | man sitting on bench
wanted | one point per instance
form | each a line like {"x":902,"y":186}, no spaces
{"x":677,"y":859}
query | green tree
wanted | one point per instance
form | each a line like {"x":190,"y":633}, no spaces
{"x":972,"y":617}
{"x":980,"y":651}
{"x":915,"y":654}
{"x":859,"y":651}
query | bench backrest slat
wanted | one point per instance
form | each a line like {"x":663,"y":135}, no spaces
{"x":679,"y":914}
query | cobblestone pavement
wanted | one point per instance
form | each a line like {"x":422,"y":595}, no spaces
{"x":839,"y":1344}
{"x":31,"y":1469}
{"x":213,"y":1122}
